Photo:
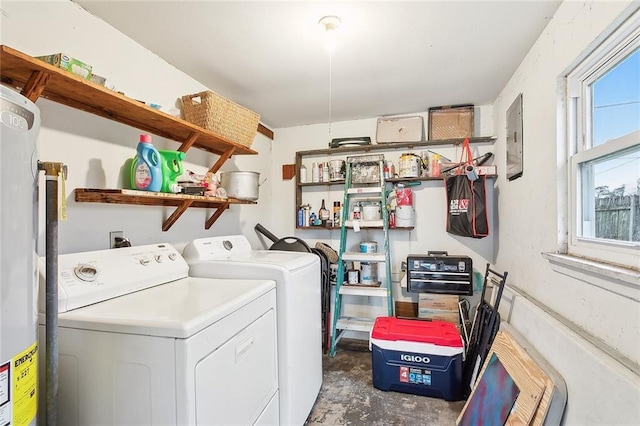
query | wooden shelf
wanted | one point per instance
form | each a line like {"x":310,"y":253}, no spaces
{"x":400,"y":228}
{"x":129,"y":196}
{"x":37,"y":78}
{"x":414,"y":179}
{"x":343,"y":152}
{"x":395,"y":146}
{"x":331,"y":183}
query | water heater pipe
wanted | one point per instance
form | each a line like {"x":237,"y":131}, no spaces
{"x":52,"y":173}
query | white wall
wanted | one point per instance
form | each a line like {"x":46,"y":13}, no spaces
{"x":95,"y":148}
{"x":588,"y":327}
{"x":533,"y":199}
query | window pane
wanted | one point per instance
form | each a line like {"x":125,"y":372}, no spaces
{"x":610,"y":188}
{"x":616,"y":101}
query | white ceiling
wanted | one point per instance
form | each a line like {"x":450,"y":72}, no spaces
{"x":392,"y":57}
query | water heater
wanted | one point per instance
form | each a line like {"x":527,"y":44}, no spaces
{"x":19,"y":127}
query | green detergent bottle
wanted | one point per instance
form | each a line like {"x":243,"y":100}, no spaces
{"x":171,"y":170}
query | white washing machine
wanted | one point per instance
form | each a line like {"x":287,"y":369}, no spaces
{"x":297,"y":277}
{"x":140,"y":342}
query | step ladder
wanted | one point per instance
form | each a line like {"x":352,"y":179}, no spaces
{"x":368,"y":185}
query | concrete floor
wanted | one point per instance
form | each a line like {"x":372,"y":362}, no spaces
{"x":347,"y":396}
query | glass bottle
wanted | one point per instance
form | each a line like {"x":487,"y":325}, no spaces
{"x":323,"y":214}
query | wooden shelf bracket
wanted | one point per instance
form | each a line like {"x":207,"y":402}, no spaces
{"x":216,"y":215}
{"x":188,"y":143}
{"x":176,"y":214}
{"x":35,"y":85}
{"x":224,"y":157}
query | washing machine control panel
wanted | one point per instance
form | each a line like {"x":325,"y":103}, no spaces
{"x":218,"y":248}
{"x":92,"y":277}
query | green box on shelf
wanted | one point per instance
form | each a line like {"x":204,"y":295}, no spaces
{"x":68,"y":63}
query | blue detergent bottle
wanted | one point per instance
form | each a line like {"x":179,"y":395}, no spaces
{"x":147,"y":168}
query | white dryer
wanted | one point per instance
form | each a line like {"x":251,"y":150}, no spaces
{"x":298,"y":290}
{"x":140,"y":342}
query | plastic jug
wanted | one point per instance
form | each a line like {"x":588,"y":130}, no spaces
{"x":146,"y":169}
{"x":171,"y":170}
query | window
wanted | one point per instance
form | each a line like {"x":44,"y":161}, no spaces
{"x":603,"y":116}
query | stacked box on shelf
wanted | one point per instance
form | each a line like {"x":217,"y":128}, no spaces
{"x":439,"y":307}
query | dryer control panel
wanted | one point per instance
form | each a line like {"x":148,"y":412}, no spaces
{"x":91,"y":277}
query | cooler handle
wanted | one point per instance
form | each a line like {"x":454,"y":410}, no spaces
{"x":437,"y":253}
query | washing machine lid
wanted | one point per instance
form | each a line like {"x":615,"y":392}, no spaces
{"x":178,"y":309}
{"x":235,"y":250}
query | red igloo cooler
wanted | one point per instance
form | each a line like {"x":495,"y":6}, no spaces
{"x":418,"y":357}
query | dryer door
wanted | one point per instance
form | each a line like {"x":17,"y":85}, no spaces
{"x":232,"y":366}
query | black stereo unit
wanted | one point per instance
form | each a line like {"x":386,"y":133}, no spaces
{"x":437,"y":272}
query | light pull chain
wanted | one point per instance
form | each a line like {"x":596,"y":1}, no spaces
{"x":330,"y":90}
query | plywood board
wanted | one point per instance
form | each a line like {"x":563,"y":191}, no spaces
{"x":493,"y":398}
{"x":527,"y":375}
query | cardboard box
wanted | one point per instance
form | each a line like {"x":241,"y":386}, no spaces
{"x":439,"y":315}
{"x":67,"y":63}
{"x":450,"y":122}
{"x":444,"y":302}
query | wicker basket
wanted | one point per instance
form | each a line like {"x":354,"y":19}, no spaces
{"x":221,"y":116}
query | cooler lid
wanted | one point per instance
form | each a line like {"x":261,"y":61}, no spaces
{"x":436,"y":332}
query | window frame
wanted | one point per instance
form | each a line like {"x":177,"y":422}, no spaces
{"x":623,"y":41}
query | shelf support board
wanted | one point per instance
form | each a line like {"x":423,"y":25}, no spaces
{"x":216,"y":215}
{"x":35,"y":85}
{"x":188,"y":143}
{"x":265,"y":131}
{"x":176,"y":214}
{"x":224,"y":157}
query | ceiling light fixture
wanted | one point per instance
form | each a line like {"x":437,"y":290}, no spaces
{"x":330,"y":25}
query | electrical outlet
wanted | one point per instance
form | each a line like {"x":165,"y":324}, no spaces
{"x":112,"y":238}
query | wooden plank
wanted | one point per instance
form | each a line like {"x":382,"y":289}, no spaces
{"x":189,"y":142}
{"x":394,"y":146}
{"x":528,"y":376}
{"x":176,"y":214}
{"x":265,"y":131}
{"x":74,"y":91}
{"x":215,"y":215}
{"x":223,"y":157}
{"x":130,"y":196}
{"x":35,"y":85}
{"x":406,"y":309}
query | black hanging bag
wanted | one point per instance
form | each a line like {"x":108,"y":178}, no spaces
{"x":466,"y":200}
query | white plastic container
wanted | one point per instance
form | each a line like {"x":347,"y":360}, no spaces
{"x":371,"y":211}
{"x":405,"y":216}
